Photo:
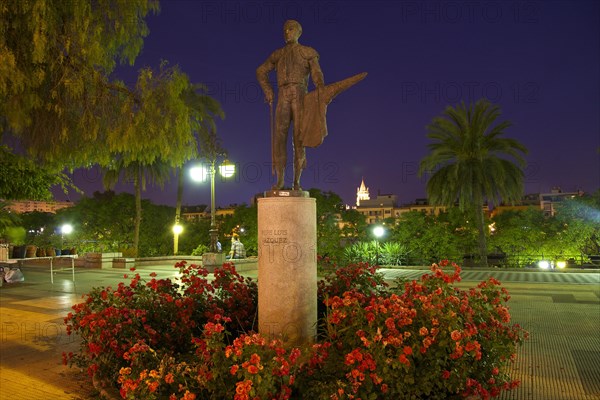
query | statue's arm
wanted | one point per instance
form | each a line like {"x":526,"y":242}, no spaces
{"x":262,"y":76}
{"x":316,"y":73}
{"x":312,"y":57}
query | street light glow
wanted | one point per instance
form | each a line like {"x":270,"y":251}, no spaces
{"x":66,"y":229}
{"x":544,"y":264}
{"x":199,"y":174}
{"x":378,"y":231}
{"x":226,"y":169}
{"x":203,"y":173}
{"x":177,"y":229}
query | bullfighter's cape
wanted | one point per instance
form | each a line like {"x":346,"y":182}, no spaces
{"x":313,"y":124}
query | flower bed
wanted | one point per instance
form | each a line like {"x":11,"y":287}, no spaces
{"x":422,"y":339}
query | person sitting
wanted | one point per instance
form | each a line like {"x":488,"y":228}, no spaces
{"x":237,"y":248}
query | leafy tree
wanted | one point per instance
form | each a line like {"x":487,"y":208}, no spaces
{"x":55,"y":60}
{"x":581,"y":218}
{"x":23,"y":179}
{"x":354,"y":226}
{"x":329,"y":207}
{"x":195,"y":233}
{"x":425,"y":237}
{"x":165,"y":110}
{"x":471,"y":163}
{"x":102,"y":222}
{"x":156,"y":233}
{"x":10,"y":231}
{"x":528,"y":235}
{"x":41,"y":228}
{"x":518,"y":234}
{"x":461,"y":228}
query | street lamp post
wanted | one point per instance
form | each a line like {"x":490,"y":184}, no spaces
{"x":199,"y":174}
{"x":177,"y":229}
{"x":65,"y":230}
{"x":378,"y":231}
{"x":213,"y":232}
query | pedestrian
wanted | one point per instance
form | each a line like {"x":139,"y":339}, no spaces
{"x":237,"y":248}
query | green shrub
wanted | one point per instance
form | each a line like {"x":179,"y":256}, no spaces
{"x":201,"y":249}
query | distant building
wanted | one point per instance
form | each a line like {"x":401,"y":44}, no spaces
{"x":386,"y":206}
{"x":362,"y":193}
{"x":548,"y":201}
{"x":196,"y":213}
{"x":376,"y":209}
{"x":528,"y":201}
{"x":422,"y":205}
{"x":25,"y":206}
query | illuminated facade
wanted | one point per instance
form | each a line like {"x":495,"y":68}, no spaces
{"x":362,"y":193}
{"x":25,"y":206}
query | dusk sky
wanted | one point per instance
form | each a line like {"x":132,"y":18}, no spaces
{"x":538,"y":60}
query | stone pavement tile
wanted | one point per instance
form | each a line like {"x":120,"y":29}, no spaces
{"x":42,"y":377}
{"x":550,"y":365}
{"x":32,"y":340}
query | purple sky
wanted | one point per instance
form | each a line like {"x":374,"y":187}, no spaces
{"x":538,"y":60}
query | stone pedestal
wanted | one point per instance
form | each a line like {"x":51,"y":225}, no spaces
{"x":287,"y":266}
{"x":210,"y":261}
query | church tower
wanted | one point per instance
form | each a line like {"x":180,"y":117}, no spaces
{"x":362,"y":193}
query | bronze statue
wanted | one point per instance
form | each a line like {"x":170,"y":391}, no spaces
{"x":293,"y":64}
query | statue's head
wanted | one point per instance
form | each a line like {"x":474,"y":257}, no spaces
{"x":291,"y":31}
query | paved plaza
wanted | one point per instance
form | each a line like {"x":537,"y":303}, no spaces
{"x":561,"y":311}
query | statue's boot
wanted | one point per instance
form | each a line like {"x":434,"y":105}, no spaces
{"x":280,"y":178}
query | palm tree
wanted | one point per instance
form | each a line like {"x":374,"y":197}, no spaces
{"x":471,"y":163}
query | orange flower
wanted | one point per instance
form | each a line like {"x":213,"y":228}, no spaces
{"x":427,"y":342}
{"x":242,"y":389}
{"x":189,"y":396}
{"x":407,"y":350}
{"x":255,"y":359}
{"x":455,"y":335}
{"x":152,"y":386}
{"x":169,"y":378}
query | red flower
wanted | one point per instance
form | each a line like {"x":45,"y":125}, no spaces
{"x":404,"y":360}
